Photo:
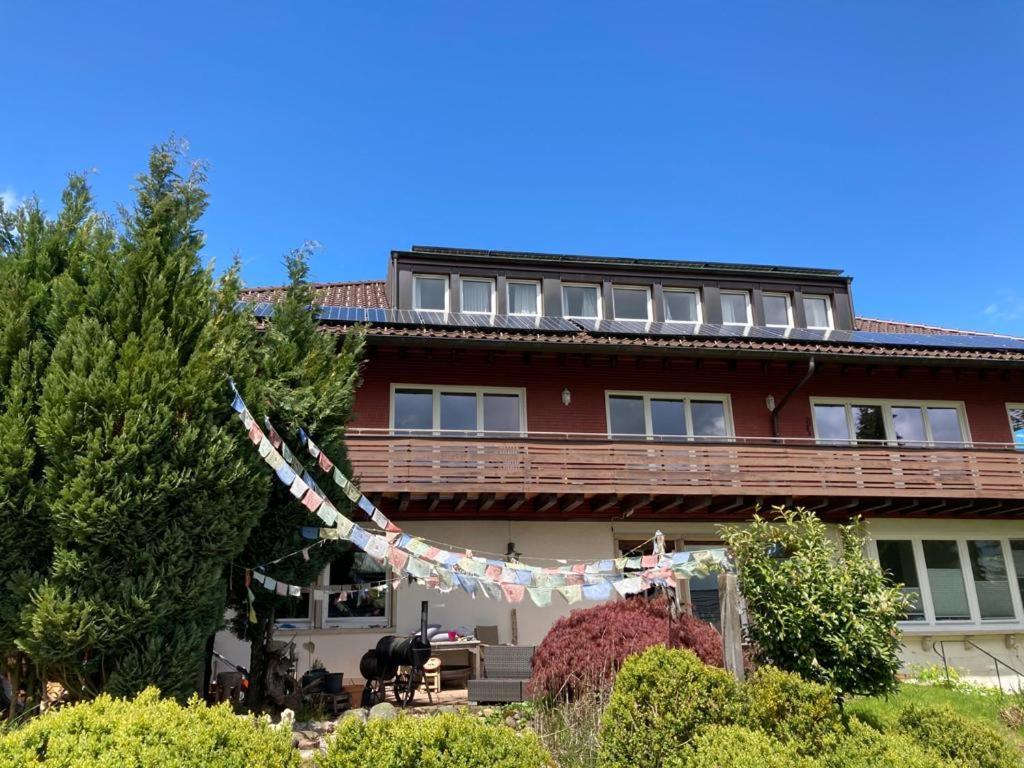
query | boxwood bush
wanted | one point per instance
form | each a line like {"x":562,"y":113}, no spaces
{"x":864,"y":747}
{"x":437,"y":741}
{"x":661,"y":697}
{"x":963,"y":741}
{"x":733,"y":746}
{"x":147,"y":731}
{"x":794,"y":710}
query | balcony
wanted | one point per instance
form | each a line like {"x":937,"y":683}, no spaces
{"x":573,"y":469}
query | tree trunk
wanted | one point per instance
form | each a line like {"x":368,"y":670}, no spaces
{"x":263,"y":633}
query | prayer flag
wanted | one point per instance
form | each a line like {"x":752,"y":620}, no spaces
{"x":630,"y":586}
{"x":493,"y":572}
{"x":285,"y":475}
{"x":597,"y":591}
{"x":648,"y":561}
{"x":238,"y":403}
{"x":541,"y":597}
{"x":377,"y":547}
{"x":255,"y":434}
{"x":366,"y":505}
{"x":571,"y":594}
{"x":378,"y":519}
{"x":325,"y":464}
{"x":513,"y":592}
{"x":309,"y":532}
{"x":328,"y":513}
{"x":298,"y":488}
{"x":312,"y":500}
{"x":294,"y":590}
{"x":247,"y":419}
{"x":397,"y":558}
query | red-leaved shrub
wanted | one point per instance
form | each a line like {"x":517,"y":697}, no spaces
{"x":583,"y":651}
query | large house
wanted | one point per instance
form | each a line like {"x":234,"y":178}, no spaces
{"x":567,"y":407}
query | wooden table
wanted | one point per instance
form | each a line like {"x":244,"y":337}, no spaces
{"x":473,"y":647}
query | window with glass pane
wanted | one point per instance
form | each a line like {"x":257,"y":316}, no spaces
{"x":830,"y":421}
{"x":363,"y":607}
{"x":630,"y":303}
{"x":458,"y":411}
{"x":991,"y":580}
{"x":946,"y":580}
{"x":708,"y":418}
{"x":681,"y":306}
{"x":668,"y":417}
{"x":579,"y":300}
{"x":296,"y":611}
{"x":816,"y":312}
{"x":523,"y":298}
{"x":1017,"y":424}
{"x":735,"y":309}
{"x":909,"y":424}
{"x":428,"y":293}
{"x":501,"y":413}
{"x":414,"y":409}
{"x":868,"y":424}
{"x":776,"y":310}
{"x":477,"y":296}
{"x":626,"y":416}
{"x":1017,"y":554}
{"x":897,"y":560}
{"x":945,"y":424}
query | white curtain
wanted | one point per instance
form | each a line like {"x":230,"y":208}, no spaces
{"x":476,"y":296}
{"x":522,"y":299}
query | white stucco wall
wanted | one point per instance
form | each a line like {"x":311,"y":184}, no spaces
{"x":341,"y":649}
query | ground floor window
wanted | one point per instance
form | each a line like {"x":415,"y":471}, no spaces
{"x":957,"y":580}
{"x":703,"y":589}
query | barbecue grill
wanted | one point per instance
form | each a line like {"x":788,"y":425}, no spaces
{"x":396,"y":663}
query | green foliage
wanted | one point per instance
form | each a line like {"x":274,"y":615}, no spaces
{"x":147,"y":731}
{"x":823,"y":609}
{"x":794,"y":710}
{"x":438,"y":741}
{"x":964,"y":742}
{"x":659,"y":700}
{"x":865,"y":747}
{"x":733,"y":746}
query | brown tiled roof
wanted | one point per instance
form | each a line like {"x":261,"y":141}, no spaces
{"x":895,"y":326}
{"x":365,"y":293}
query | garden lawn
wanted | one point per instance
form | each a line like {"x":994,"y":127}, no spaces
{"x":981,"y":706}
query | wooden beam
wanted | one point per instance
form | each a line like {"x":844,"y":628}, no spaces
{"x":459,"y":501}
{"x":631,"y":504}
{"x":515,"y":502}
{"x":544,"y":503}
{"x":697,"y":504}
{"x":603,"y":503}
{"x":662,"y":506}
{"x":433,"y":500}
{"x":732,"y":627}
{"x":403,"y":502}
{"x":572,"y":502}
{"x":486,"y":502}
{"x":736,"y":503}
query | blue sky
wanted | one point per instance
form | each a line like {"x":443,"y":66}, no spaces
{"x":884,"y":138}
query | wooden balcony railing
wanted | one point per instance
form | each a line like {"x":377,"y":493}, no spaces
{"x":587,"y":464}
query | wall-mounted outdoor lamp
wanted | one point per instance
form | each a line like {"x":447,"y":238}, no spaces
{"x":566,"y":396}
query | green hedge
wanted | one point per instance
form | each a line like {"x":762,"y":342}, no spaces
{"x":965,"y":742}
{"x":147,"y":731}
{"x":733,"y":746}
{"x":865,"y":747}
{"x":437,"y":741}
{"x":791,"y":709}
{"x":659,"y":700}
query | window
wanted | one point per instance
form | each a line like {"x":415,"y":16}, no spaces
{"x":900,"y":566}
{"x":477,"y":296}
{"x":629,"y":303}
{"x":364,"y":607}
{"x":1016,"y":413}
{"x":668,"y":415}
{"x":523,"y":298}
{"x":991,"y":581}
{"x":778,"y":312}
{"x":582,"y":301}
{"x":904,"y":423}
{"x":681,"y":306}
{"x":946,"y":581}
{"x":818,"y":312}
{"x":735,"y":308}
{"x":295,"y":613}
{"x":430,"y":292}
{"x":457,"y":409}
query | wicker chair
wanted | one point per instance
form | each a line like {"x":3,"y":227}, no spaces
{"x":506,"y":673}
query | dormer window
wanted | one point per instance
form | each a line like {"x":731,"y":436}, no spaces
{"x":477,"y":296}
{"x":735,"y":308}
{"x":682,"y":305}
{"x":778,"y":312}
{"x":818,"y":312}
{"x":524,"y":298}
{"x":631,"y":303}
{"x":430,"y":293}
{"x":581,"y":300}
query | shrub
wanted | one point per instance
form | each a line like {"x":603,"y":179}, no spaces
{"x":865,"y":747}
{"x":822,"y":609}
{"x":659,"y":700}
{"x":963,"y":741}
{"x":438,"y":741}
{"x":582,"y":651}
{"x":148,"y":731}
{"x":733,"y":746}
{"x":796,"y":711}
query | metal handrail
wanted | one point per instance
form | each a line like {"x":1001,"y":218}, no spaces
{"x":939,"y":647}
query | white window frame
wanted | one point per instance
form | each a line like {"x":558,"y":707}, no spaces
{"x":355,"y":622}
{"x":1009,"y":420}
{"x":447,"y":292}
{"x":696,"y":294}
{"x":746,"y":297}
{"x":494,"y":295}
{"x":650,"y":306}
{"x":540,"y":297}
{"x":687,"y":398}
{"x":789,"y":309}
{"x":306,"y":623}
{"x":967,"y":573}
{"x":890,"y":427}
{"x":437,"y":389}
{"x":828,"y":311}
{"x":600,"y":301}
